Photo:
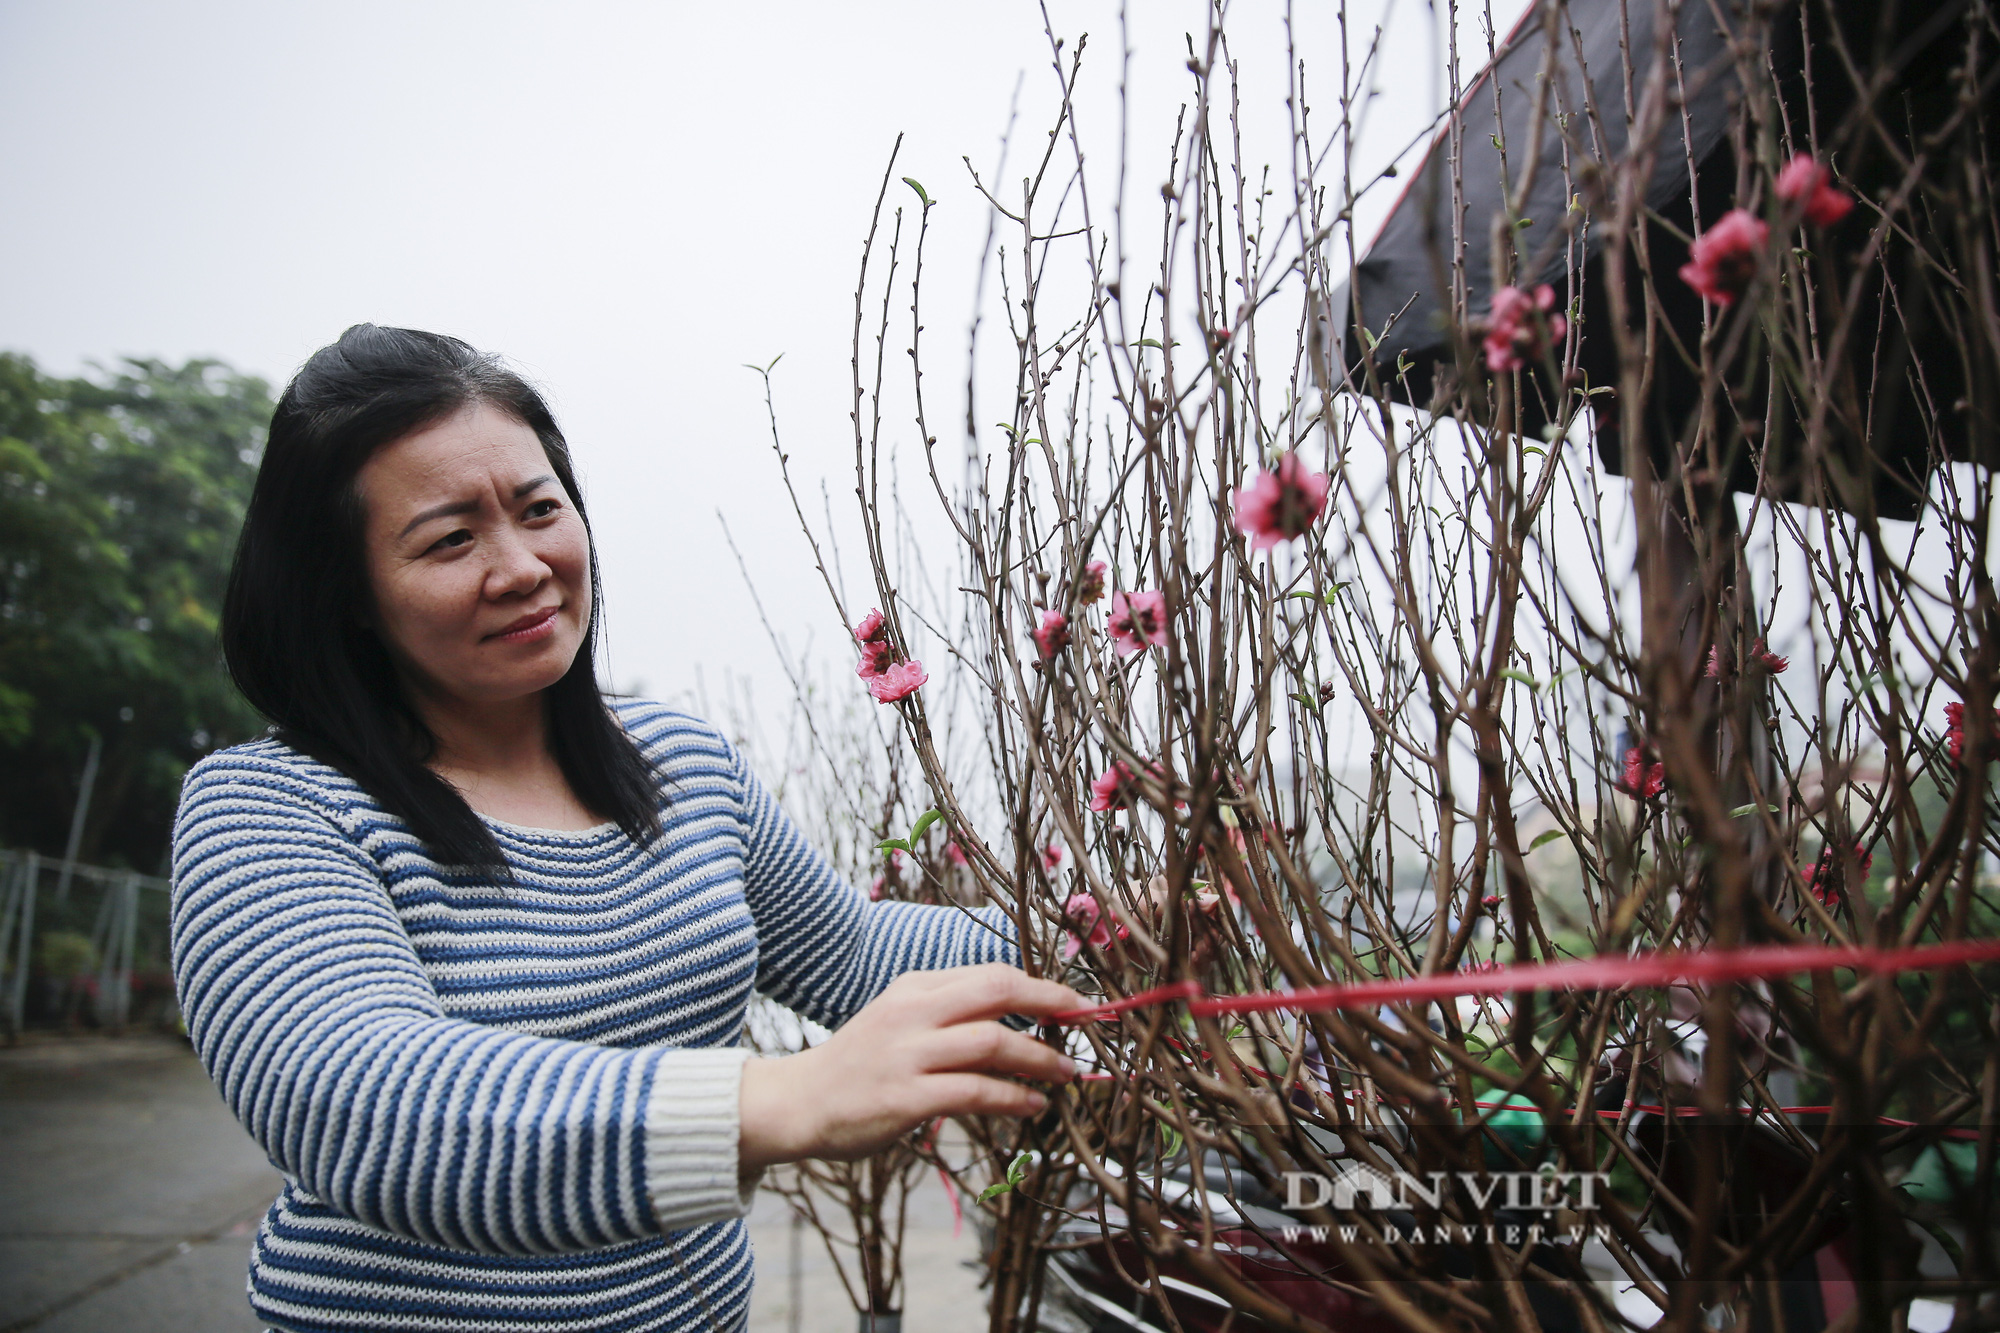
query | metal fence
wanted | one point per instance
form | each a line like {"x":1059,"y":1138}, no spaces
{"x":82,"y":946}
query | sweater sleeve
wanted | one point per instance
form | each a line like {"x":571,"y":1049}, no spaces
{"x":825,"y":950}
{"x":311,"y":1011}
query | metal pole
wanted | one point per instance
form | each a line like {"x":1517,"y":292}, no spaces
{"x":11,"y":884}
{"x":104,"y":948}
{"x":25,"y":923}
{"x":76,"y":818}
{"x":127,"y":943}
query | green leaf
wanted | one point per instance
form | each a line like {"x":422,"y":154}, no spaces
{"x":1150,"y":342}
{"x":1751,"y":809}
{"x":1515,"y":673}
{"x":1015,"y":1174}
{"x":893,"y":845}
{"x":1534,"y":449}
{"x":1544,"y":839}
{"x":923,"y":824}
{"x":1946,"y":1241}
{"x":919,"y":189}
{"x":1306,"y":701}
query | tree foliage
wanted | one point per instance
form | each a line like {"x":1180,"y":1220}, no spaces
{"x":120,"y":500}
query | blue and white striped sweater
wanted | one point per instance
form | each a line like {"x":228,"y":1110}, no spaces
{"x":511,"y":1106}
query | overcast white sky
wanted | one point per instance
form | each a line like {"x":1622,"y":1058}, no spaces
{"x":630,"y":200}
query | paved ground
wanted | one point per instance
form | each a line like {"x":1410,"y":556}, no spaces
{"x":128,"y":1195}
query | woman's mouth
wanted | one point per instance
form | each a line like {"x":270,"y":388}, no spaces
{"x":535,"y":625}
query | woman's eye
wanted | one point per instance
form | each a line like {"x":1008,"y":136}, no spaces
{"x":457,"y":538}
{"x":543,"y":508}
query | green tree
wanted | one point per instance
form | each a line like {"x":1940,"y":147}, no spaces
{"x":120,"y":500}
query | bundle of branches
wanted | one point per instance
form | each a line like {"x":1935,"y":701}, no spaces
{"x":1301,"y":631}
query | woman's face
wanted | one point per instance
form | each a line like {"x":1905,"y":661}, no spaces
{"x":479,"y":563}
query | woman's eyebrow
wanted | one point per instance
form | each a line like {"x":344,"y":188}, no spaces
{"x":438,"y":511}
{"x":449,"y":508}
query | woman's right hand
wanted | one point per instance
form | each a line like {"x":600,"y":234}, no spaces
{"x":928,"y":1045}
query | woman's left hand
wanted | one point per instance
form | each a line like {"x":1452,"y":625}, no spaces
{"x":928,"y":1045}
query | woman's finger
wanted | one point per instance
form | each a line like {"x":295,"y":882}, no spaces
{"x":988,"y":1047}
{"x":989,"y":990}
{"x":976,"y":1094}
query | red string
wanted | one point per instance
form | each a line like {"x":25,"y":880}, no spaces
{"x":1145,"y":999}
{"x":951,"y":1192}
{"x":1610,"y":972}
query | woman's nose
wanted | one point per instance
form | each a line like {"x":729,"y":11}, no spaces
{"x":517,"y":567}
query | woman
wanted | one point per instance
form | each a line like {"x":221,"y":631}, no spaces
{"x":468,"y":952}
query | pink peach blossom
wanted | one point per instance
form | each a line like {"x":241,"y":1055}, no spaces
{"x":1769,"y":660}
{"x":1724,"y":259}
{"x":1642,"y":778}
{"x":1052,"y":857}
{"x":1760,"y":656}
{"x":1805,"y":183}
{"x":1053,"y":634}
{"x":1086,"y":924}
{"x":872,"y":629}
{"x":1826,"y":879}
{"x":1954,"y":736}
{"x":876,"y":658}
{"x":1112,"y":788}
{"x":954,"y":853}
{"x":1281,"y":504}
{"x":1137,"y":620}
{"x":1091,"y":587}
{"x":1515,"y":329}
{"x":898,"y":682}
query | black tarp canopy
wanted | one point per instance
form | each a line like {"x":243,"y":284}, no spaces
{"x":1915,"y":392}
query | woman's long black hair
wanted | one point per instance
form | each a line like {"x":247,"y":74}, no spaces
{"x":295,"y":618}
